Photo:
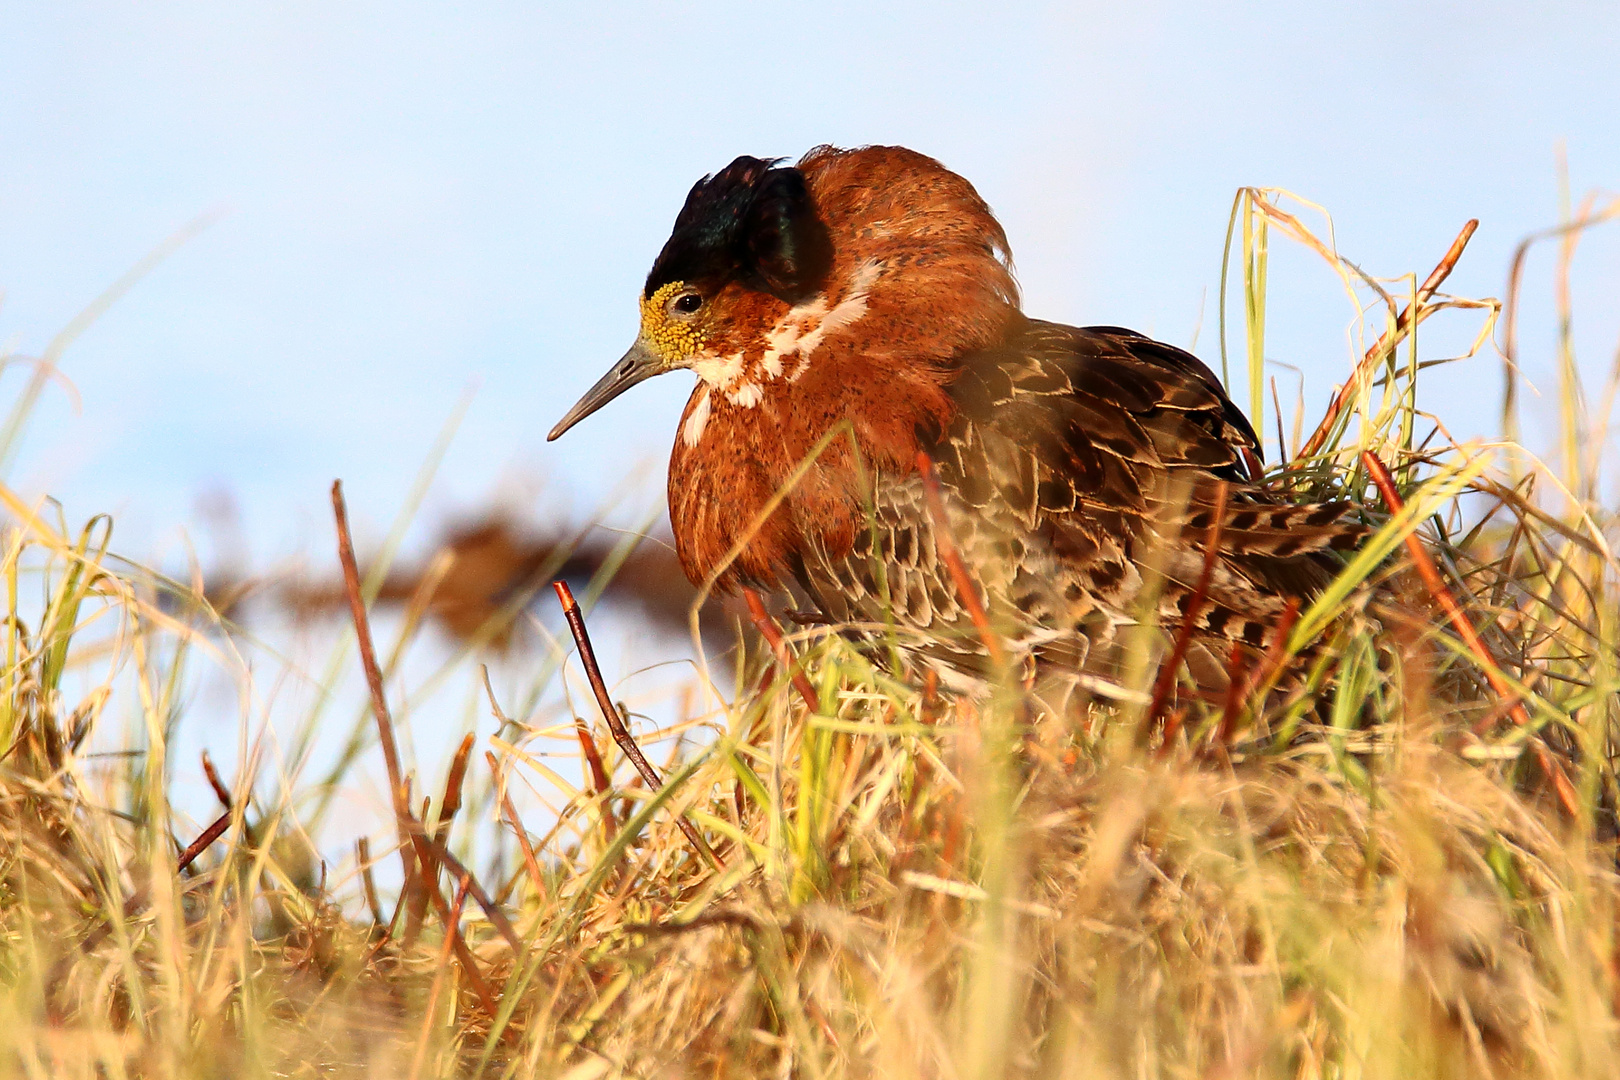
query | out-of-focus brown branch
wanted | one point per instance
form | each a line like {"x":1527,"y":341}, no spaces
{"x":1236,"y":682}
{"x":428,"y":1014}
{"x":373,"y":672}
{"x":491,"y":909}
{"x":492,"y":560}
{"x":217,"y":827}
{"x":1271,"y":665}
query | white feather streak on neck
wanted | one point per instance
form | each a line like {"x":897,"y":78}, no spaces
{"x":795,"y":334}
{"x":746,"y":395}
{"x":692,"y":430}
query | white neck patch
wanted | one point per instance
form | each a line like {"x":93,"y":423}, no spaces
{"x":696,"y":421}
{"x":805,"y":327}
{"x":719,"y":371}
{"x":799,"y":334}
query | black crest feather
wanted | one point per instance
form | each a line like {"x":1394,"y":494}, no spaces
{"x":752,"y":221}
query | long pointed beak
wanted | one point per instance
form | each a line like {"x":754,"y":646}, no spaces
{"x":637,"y":365}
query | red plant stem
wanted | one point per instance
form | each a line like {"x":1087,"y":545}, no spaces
{"x":1166,"y":681}
{"x":946,"y":546}
{"x":206,"y":837}
{"x":1465,"y":629}
{"x":450,"y":805}
{"x":217,"y":827}
{"x":773,"y":637}
{"x":1277,"y":652}
{"x":492,"y":910}
{"x":600,"y":784}
{"x":1442,"y":595}
{"x":610,"y":713}
{"x":221,"y":792}
{"x":1235,"y":686}
{"x":464,"y":957}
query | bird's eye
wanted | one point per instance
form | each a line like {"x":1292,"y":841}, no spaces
{"x":687,"y":303}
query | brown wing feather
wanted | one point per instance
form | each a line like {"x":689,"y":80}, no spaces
{"x":1075,"y":458}
{"x":1124,"y":439}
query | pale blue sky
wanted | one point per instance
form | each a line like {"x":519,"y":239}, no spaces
{"x":419,"y":197}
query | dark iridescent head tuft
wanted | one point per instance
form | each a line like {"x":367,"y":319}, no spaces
{"x":752,"y":222}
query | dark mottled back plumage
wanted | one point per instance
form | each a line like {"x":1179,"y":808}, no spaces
{"x":1076,"y":457}
{"x":870,"y":292}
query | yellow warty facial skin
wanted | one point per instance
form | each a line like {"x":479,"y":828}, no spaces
{"x":672,"y":341}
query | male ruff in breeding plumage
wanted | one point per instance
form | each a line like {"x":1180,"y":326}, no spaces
{"x":870,"y":291}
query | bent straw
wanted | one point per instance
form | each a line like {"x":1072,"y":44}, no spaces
{"x":615,"y":723}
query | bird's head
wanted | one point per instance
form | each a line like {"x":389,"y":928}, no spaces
{"x":880,"y":250}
